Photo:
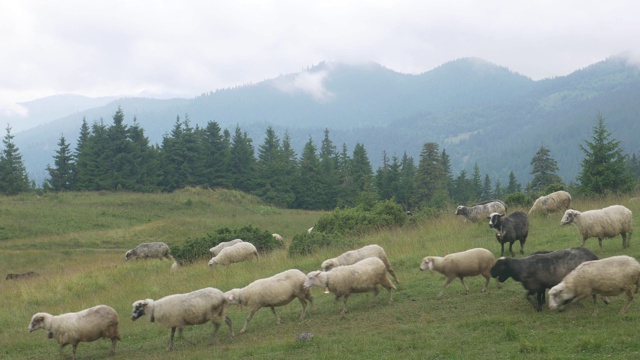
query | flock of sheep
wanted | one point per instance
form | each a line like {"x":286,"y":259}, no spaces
{"x":570,"y":274}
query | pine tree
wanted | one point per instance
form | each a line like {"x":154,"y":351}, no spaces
{"x":61,"y":177}
{"x":486,"y":188}
{"x":146,"y":172}
{"x":271,"y":183}
{"x":362,"y":175}
{"x":406,"y":183}
{"x":463,"y":188}
{"x":604,"y":167}
{"x":430,"y":183}
{"x":329,"y":173}
{"x":309,"y":181}
{"x":476,"y":183}
{"x":544,"y":169}
{"x":242,"y":161}
{"x":513,"y":186}
{"x":85,"y":160}
{"x":13,"y":174}
{"x":215,"y":151}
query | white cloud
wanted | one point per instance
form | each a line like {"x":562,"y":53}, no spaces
{"x":307,"y":82}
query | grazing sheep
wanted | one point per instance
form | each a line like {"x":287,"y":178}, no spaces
{"x":353,"y":256}
{"x":540,"y":271}
{"x":179,"y":310}
{"x":610,"y":276}
{"x":277,"y":237}
{"x":479,"y":212}
{"x":472,"y":262}
{"x":216,"y":249}
{"x":235,"y":253}
{"x":154,"y":250}
{"x":83,"y":326}
{"x":363,"y":276}
{"x":21,"y":276}
{"x":272,"y":292}
{"x":309,"y":230}
{"x":603,"y":223}
{"x":557,"y":201}
{"x":509,"y":229}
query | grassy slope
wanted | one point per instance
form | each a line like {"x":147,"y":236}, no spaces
{"x":77,"y":243}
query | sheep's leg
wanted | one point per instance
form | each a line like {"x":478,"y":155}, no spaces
{"x":344,"y":307}
{"x":114,"y":340}
{"x":393,"y":274}
{"x":390,"y":295}
{"x":624,"y":241}
{"x":303,"y":302}
{"x":584,"y":240}
{"x":273,"y":310}
{"x":605,"y":299}
{"x":173,"y":331}
{"x":465,"y":285}
{"x":227,"y":320}
{"x":629,"y":300}
{"x":502,"y":249}
{"x":511,"y":249}
{"x":375,"y":295}
{"x":487,"y":277}
{"x":216,"y":327}
{"x":75,"y":347}
{"x":244,"y":328}
{"x":446,"y":283}
{"x":540,"y":299}
{"x":522,"y":246}
{"x":600,"y":244}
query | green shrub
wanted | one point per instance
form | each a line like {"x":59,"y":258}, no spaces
{"x":308,"y":243}
{"x":198,"y":248}
{"x":518,"y":199}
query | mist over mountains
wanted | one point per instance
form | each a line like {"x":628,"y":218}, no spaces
{"x":477,"y":111}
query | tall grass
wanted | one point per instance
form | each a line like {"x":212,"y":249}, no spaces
{"x":81,"y":266}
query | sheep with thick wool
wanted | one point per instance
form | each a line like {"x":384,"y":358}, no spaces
{"x":342,"y":281}
{"x":547,"y":204}
{"x":510,"y":228}
{"x":479,"y":212}
{"x":602,"y":223}
{"x":472,"y":262}
{"x":216,"y":249}
{"x":180,"y":310}
{"x":607,"y":277}
{"x":83,"y":326}
{"x":239,"y":252}
{"x":153,"y":250}
{"x":277,"y":290}
{"x":353,"y":256}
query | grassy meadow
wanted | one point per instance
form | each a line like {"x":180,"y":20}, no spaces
{"x":77,"y":241}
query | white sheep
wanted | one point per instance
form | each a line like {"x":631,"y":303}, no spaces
{"x":179,"y":310}
{"x":473,"y":262}
{"x":277,"y":237}
{"x":216,"y":249}
{"x":278,"y":290}
{"x":602,"y":223}
{"x":239,"y":252}
{"x":309,"y":230}
{"x":353,"y":256}
{"x":547,"y":204}
{"x":83,"y":326}
{"x":608,"y":277}
{"x":363,"y":276}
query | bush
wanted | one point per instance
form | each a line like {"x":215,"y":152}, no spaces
{"x":308,"y":243}
{"x":518,"y":199}
{"x":198,"y":248}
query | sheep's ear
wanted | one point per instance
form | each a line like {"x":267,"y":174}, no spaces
{"x":229,"y":297}
{"x":430,"y":264}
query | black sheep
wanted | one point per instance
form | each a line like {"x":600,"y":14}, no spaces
{"x":510,"y":228}
{"x":541,"y":271}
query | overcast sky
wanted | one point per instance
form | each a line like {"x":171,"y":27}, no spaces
{"x":186,"y":47}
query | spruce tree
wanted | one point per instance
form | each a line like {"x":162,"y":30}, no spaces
{"x":329,"y":172}
{"x":309,"y":181}
{"x":406,"y":183}
{"x":61,"y":176}
{"x":604,"y":168}
{"x":242,"y":161}
{"x":13,"y":174}
{"x":544,"y":169}
{"x":431,"y":179}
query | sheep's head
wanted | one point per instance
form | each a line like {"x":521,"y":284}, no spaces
{"x":427,"y":263}
{"x":212,"y":262}
{"x":494,"y":220}
{"x":328,"y":265}
{"x":560,"y":296}
{"x":500,"y":269}
{"x":460,"y":210}
{"x":139,"y":309}
{"x":569,"y":217}
{"x":233,"y":297}
{"x":38,"y":321}
{"x":127,"y":255}
{"x":312,"y":279}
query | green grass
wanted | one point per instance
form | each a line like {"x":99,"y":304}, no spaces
{"x":81,"y":264}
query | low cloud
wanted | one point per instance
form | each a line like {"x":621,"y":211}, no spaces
{"x":308,"y":82}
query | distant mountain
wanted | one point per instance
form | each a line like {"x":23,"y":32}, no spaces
{"x":477,"y":111}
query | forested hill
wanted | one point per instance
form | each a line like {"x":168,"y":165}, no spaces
{"x":478,"y":111}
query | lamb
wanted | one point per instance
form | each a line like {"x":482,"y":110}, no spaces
{"x":179,"y":310}
{"x":353,"y":256}
{"x":509,"y":229}
{"x":610,"y":276}
{"x":83,"y":326}
{"x":216,"y":249}
{"x":473,"y":262}
{"x":278,"y":290}
{"x":342,"y":281}
{"x":277,"y":237}
{"x":603,"y":223}
{"x":540,"y":271}
{"x":235,"y":253}
{"x":154,"y":250}
{"x":478,"y":212}
{"x":556,"y":201}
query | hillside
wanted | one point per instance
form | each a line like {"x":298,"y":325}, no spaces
{"x":472,"y":108}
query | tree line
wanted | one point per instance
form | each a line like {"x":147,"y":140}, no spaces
{"x":119,"y":157}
